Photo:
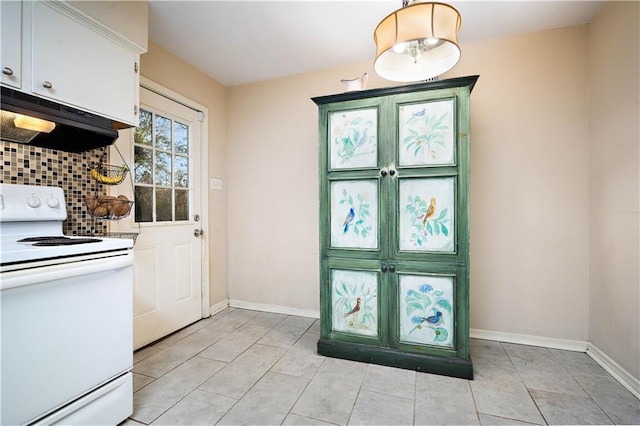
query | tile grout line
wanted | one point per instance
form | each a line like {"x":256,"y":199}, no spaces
{"x":515,"y":367}
{"x":306,"y":386}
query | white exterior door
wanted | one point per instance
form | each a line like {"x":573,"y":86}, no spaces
{"x":165,"y":153}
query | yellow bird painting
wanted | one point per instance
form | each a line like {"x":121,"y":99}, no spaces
{"x":431,"y":210}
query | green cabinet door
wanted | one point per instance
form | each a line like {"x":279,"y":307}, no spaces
{"x":394,"y":221}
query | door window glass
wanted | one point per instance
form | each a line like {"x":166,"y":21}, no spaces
{"x":161,"y":172}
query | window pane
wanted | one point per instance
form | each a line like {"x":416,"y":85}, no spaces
{"x":143,"y":205}
{"x":163,"y":205}
{"x":182,"y":172}
{"x":142,"y":133}
{"x":163,"y":169}
{"x":182,"y":204}
{"x":181,"y":134}
{"x":163,"y":133}
{"x":161,"y":174}
{"x":143,"y":165}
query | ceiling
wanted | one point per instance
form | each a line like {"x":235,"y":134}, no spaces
{"x":239,"y":42}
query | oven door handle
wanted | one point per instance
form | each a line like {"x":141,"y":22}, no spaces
{"x":25,"y":277}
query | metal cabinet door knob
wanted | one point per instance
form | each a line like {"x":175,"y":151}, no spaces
{"x":383,"y":268}
{"x":7,"y":71}
{"x":47,"y":84}
{"x":392,"y":172}
{"x":198,"y":232}
{"x":392,"y":268}
{"x":383,"y":172}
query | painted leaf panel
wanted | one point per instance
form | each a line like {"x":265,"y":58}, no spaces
{"x":426,"y":310}
{"x":353,"y":137}
{"x":354,"y":214}
{"x":354,"y":302}
{"x":427,"y":213}
{"x":427,"y":133}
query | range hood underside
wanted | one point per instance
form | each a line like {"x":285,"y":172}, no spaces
{"x":75,"y":131}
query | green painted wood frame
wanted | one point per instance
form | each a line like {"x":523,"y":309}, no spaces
{"x":388,"y":261}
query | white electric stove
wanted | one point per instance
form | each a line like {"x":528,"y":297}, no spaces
{"x":67,"y":316}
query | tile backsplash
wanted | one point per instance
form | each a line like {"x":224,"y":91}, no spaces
{"x":28,"y":165}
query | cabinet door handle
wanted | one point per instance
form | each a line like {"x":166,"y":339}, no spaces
{"x":47,"y":84}
{"x":384,"y":268}
{"x":392,"y":268}
{"x":383,"y":172}
{"x":7,"y":71}
{"x":392,"y":172}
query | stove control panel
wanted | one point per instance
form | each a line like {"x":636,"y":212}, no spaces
{"x":26,"y":203}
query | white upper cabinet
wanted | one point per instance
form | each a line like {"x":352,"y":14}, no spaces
{"x":11,"y":32}
{"x":73,"y":59}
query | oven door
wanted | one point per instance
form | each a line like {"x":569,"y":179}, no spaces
{"x":66,"y":331}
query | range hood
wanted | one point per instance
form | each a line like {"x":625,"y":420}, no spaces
{"x":74,"y":131}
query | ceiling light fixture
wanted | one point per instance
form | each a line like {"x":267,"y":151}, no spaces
{"x":417,"y":42}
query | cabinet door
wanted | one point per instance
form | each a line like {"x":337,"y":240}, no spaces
{"x":11,"y":31}
{"x":81,"y":66}
{"x":352,"y":193}
{"x":429,"y":313}
{"x":353,"y":302}
{"x":429,"y":194}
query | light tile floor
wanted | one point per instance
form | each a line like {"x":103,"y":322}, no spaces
{"x":247,"y":367}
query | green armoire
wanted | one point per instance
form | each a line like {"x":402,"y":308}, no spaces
{"x":394,"y":226}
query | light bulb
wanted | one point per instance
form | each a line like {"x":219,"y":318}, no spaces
{"x":431,"y":41}
{"x":32,"y":123}
{"x":399,"y":47}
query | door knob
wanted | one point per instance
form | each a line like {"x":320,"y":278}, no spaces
{"x":383,"y":268}
{"x":383,"y":172}
{"x":392,"y":172}
{"x":198,"y":232}
{"x":392,"y":268}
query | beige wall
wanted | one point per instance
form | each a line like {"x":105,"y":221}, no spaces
{"x":130,"y":18}
{"x":614,"y":169}
{"x":529,"y":184}
{"x":164,"y":68}
{"x":529,"y":220}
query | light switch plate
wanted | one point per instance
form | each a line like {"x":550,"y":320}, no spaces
{"x":215,"y":184}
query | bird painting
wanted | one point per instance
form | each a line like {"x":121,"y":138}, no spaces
{"x":347,"y":220}
{"x":363,"y":139}
{"x":355,"y":309}
{"x":434,"y":319}
{"x":417,"y":114}
{"x":431,"y":210}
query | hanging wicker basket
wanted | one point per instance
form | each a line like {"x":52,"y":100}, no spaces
{"x":108,"y":174}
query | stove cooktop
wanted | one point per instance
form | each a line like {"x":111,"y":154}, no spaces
{"x":31,"y":228}
{"x":58,"y":241}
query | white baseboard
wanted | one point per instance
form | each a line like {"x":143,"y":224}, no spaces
{"x":620,"y":374}
{"x":219,"y":306}
{"x":276,"y":309}
{"x":524,"y":339}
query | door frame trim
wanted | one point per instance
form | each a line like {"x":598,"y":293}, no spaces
{"x":204,"y":172}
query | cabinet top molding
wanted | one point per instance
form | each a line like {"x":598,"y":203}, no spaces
{"x":397,"y":90}
{"x":76,"y":14}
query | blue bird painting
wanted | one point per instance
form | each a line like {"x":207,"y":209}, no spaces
{"x":348,"y":220}
{"x":364,"y":138}
{"x":417,"y":114}
{"x":434,"y":319}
